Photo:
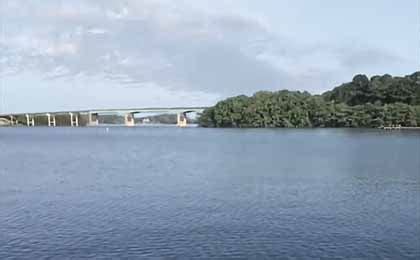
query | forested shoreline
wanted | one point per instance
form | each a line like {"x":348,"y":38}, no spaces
{"x":363,"y":102}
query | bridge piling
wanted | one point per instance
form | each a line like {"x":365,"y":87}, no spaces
{"x":30,"y":120}
{"x":51,"y":120}
{"x":181,"y":120}
{"x":74,"y":120}
{"x":13,"y":121}
{"x":129,"y":119}
{"x":93,"y":119}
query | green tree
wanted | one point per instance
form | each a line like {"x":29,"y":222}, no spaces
{"x":381,"y":100}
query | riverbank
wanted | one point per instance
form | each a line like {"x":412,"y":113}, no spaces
{"x":399,"y":128}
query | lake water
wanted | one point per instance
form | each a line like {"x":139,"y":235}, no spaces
{"x":208,"y":193}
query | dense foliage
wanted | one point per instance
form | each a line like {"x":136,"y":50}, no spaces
{"x":380,"y":101}
{"x":378,"y":90}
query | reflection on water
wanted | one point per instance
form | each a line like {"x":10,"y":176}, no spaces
{"x":169,"y":192}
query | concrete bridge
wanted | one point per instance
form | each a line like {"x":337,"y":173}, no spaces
{"x":91,"y":117}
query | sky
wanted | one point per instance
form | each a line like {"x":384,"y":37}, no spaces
{"x":67,"y":55}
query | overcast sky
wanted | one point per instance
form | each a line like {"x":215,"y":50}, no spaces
{"x":57,"y":55}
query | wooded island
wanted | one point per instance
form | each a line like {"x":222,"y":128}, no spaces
{"x":363,"y":102}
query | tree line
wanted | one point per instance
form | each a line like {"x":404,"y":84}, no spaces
{"x":363,"y":102}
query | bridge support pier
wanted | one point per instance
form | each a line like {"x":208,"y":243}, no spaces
{"x":129,"y":119}
{"x":51,"y":120}
{"x":74,"y":120}
{"x":13,"y":120}
{"x":30,"y":120}
{"x":93,"y":119}
{"x":181,"y":120}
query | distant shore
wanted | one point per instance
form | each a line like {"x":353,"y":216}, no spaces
{"x":376,"y":102}
{"x":400,"y":128}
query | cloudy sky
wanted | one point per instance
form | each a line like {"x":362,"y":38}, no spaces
{"x":61,"y":54}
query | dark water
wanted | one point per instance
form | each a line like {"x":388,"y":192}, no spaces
{"x":203,"y":193}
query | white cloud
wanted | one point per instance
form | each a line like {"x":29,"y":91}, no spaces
{"x":61,"y":49}
{"x":97,"y":31}
{"x":170,"y":45}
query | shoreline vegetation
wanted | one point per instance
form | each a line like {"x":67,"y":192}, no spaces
{"x":379,"y":102}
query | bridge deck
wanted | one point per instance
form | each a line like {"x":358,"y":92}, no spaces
{"x":116,"y":111}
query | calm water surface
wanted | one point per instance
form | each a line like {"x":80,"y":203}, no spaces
{"x":208,"y":193}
